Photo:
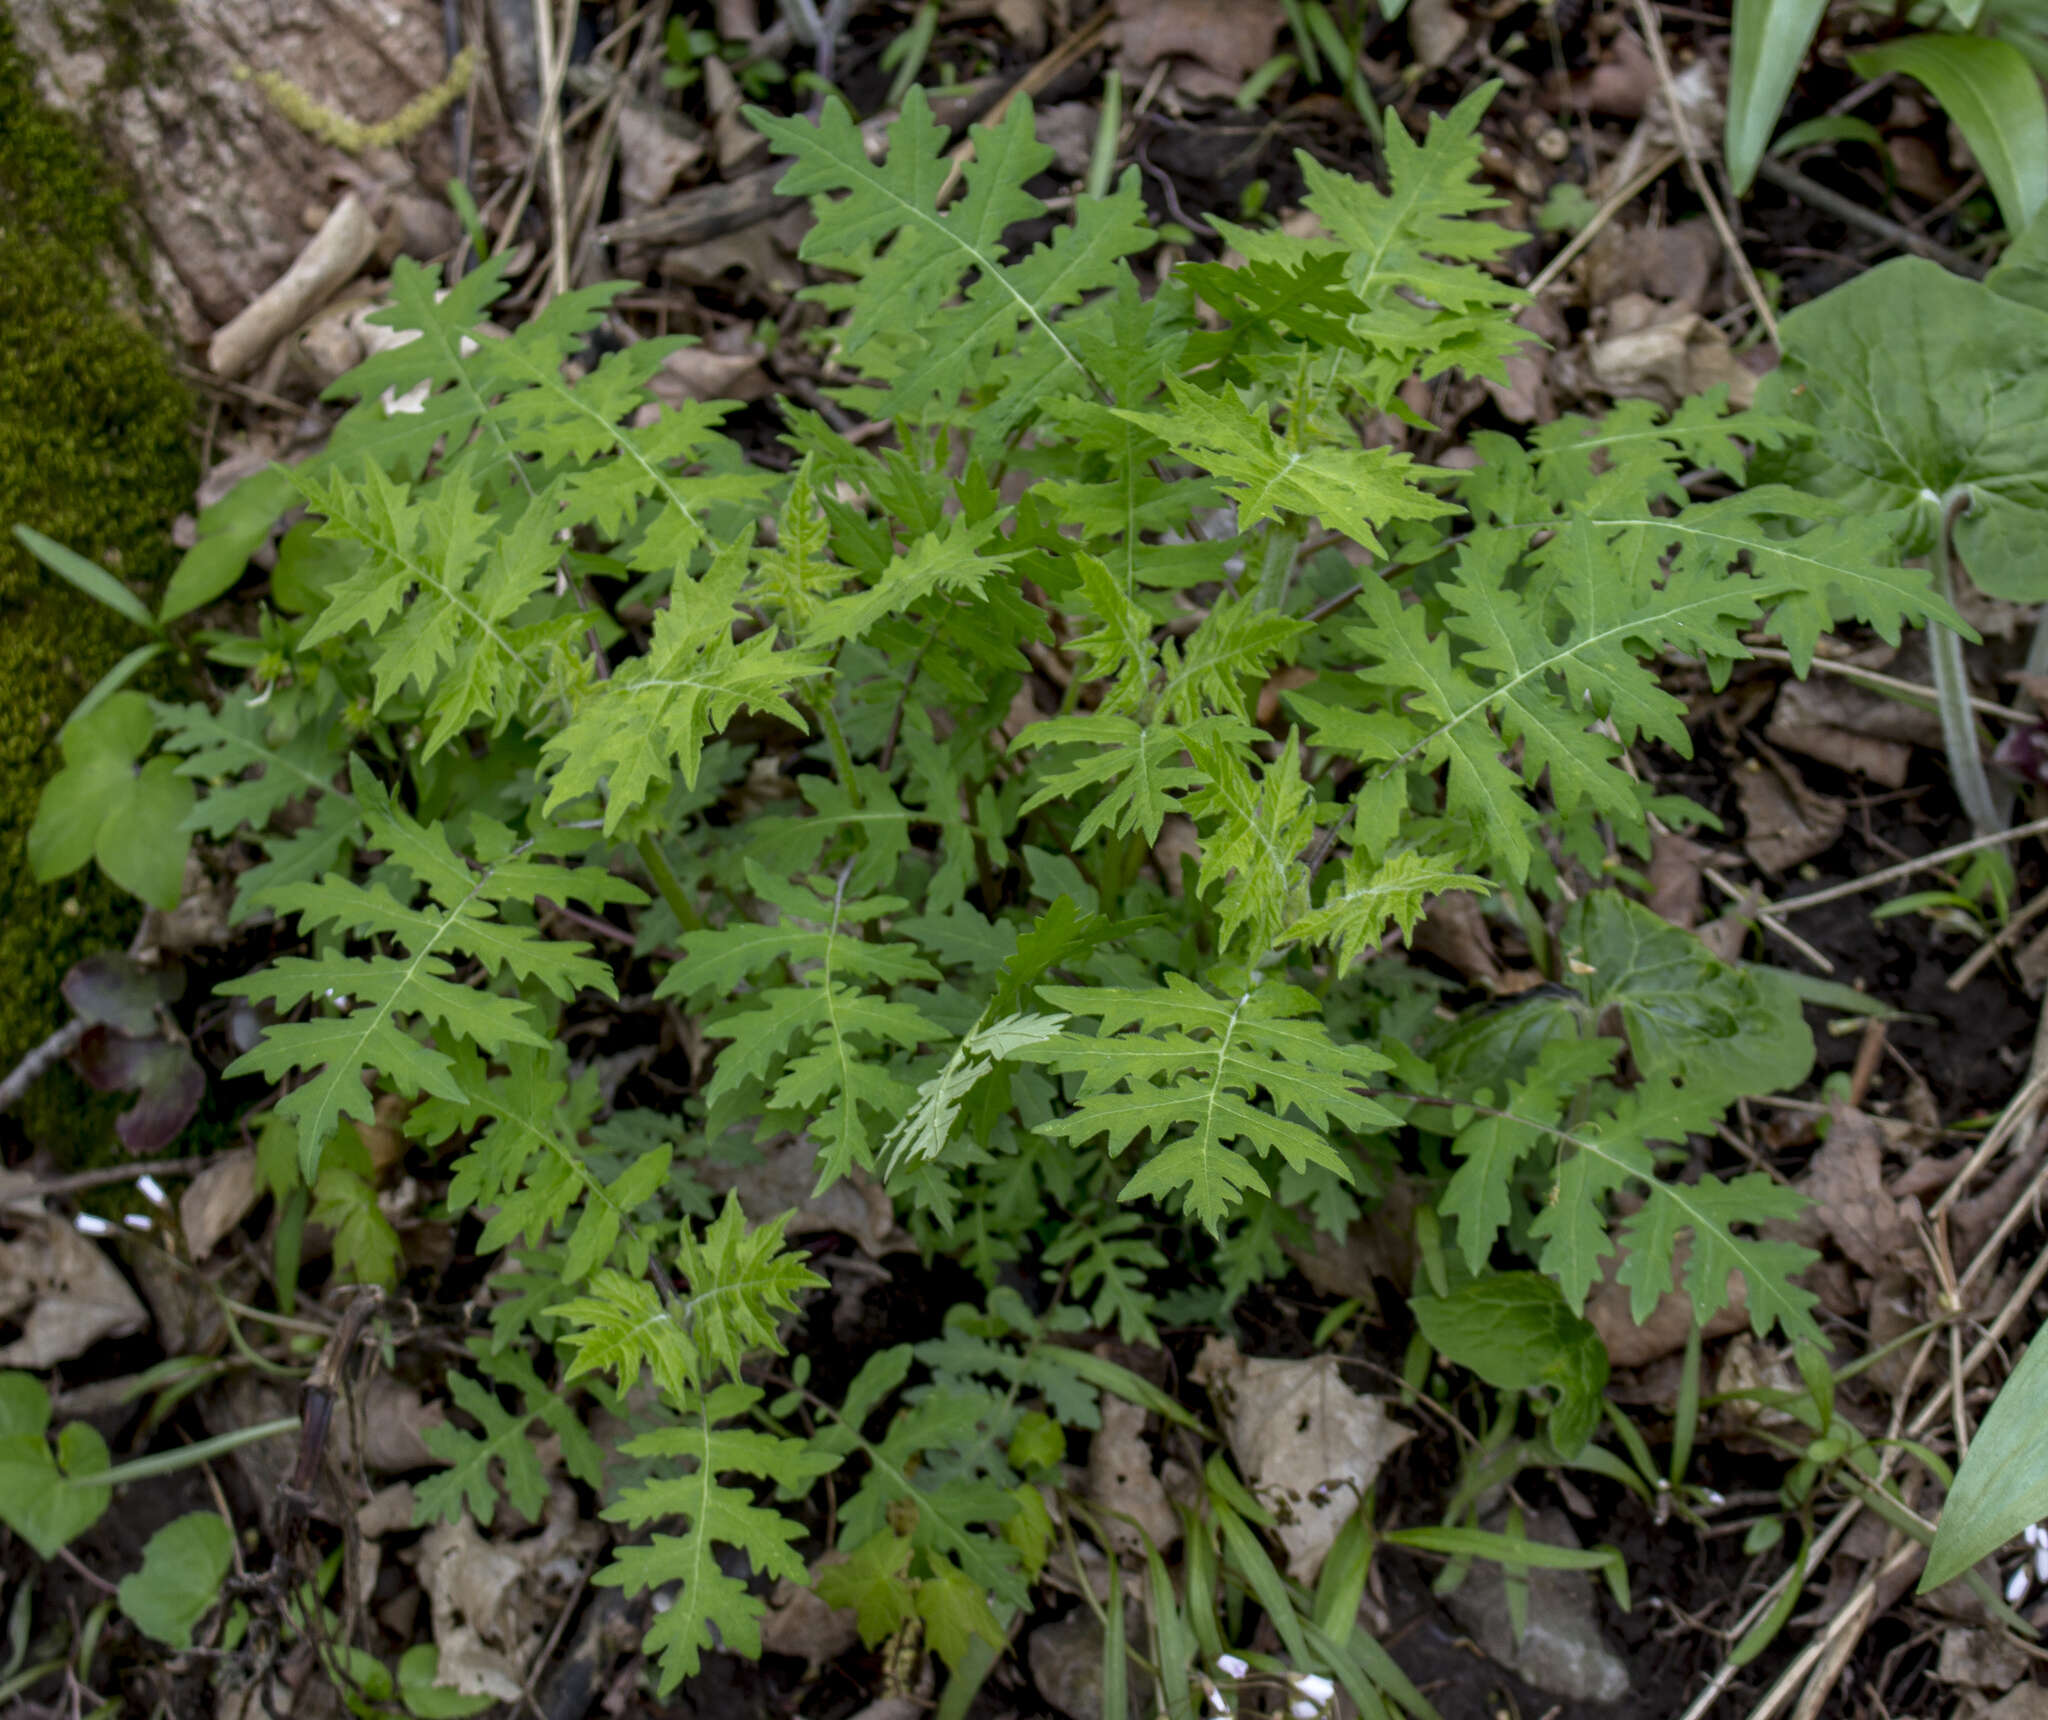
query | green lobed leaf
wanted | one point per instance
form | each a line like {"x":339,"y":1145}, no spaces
{"x":183,"y":1567}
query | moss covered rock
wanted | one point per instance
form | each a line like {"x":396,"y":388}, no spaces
{"x":95,"y":451}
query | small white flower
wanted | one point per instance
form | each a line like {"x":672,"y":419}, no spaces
{"x":1217,"y":1705}
{"x":1314,"y":1686}
{"x":135,"y":1220}
{"x":2041,"y":1565}
{"x":151,"y":1190}
{"x":2035,"y":1534}
{"x":91,"y":1224}
{"x":2016,"y":1587}
{"x":1305,"y":1710}
{"x":1231,"y":1667}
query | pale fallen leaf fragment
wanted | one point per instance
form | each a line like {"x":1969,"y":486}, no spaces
{"x":802,"y":1626}
{"x":1224,"y":40}
{"x":1121,"y":1482}
{"x":1309,"y":1445}
{"x":62,"y":1292}
{"x":1845,"y":1181}
{"x":217,"y":1200}
{"x":784,"y":1179}
{"x":1436,"y":29}
{"x":1786,"y":822}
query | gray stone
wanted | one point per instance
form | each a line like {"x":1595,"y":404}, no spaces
{"x":1562,"y":1652}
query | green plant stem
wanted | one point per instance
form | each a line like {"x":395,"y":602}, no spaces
{"x":668,"y":885}
{"x":842,"y":757}
{"x":186,"y":1456}
{"x":1276,"y":566}
{"x":1952,"y":692}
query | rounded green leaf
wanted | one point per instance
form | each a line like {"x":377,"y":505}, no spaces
{"x":2003,"y":1483}
{"x":1515,"y":1331}
{"x":1769,"y":46}
{"x":141,"y":845}
{"x":1992,"y":94}
{"x":181,"y":1574}
{"x":418,"y":1667}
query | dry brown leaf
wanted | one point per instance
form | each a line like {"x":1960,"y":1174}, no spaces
{"x":1980,"y":1659}
{"x":1851,"y":728}
{"x":802,"y":1626}
{"x":1121,"y":1482}
{"x":1454,"y":931}
{"x":1633,"y":1344}
{"x":653,"y":154}
{"x":62,"y":1292}
{"x":1526,"y":397}
{"x":493,"y":1600}
{"x":1664,"y":353}
{"x":698,"y":373}
{"x":1786,"y":821}
{"x":217,"y":1200}
{"x":1845,"y":1181}
{"x":1309,"y":1445}
{"x":783,"y":1181}
{"x":1436,"y":30}
{"x":1223,"y":41}
{"x":1675,"y":888}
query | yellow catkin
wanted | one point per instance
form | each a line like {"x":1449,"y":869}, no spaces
{"x":327,"y":125}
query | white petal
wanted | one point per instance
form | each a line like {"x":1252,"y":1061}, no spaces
{"x":91,"y":1224}
{"x":135,"y":1220}
{"x":1314,"y":1686}
{"x":152,"y":1190}
{"x":2016,"y":1587}
{"x":2041,"y":1565}
{"x":1231,"y":1667}
{"x":1305,"y":1710}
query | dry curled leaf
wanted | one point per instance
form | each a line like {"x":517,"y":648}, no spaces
{"x":1846,"y":1184}
{"x":1786,"y":821}
{"x":1309,"y":1445}
{"x":62,"y":1292}
{"x":1121,"y":1482}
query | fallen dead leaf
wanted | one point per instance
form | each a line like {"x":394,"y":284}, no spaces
{"x":653,"y":154}
{"x":802,"y":1626}
{"x":62,"y":1291}
{"x":1222,"y":41}
{"x":1675,"y":887}
{"x":1436,"y":30}
{"x":1980,"y":1659}
{"x":1526,"y":397}
{"x":1633,"y":1344}
{"x":1845,"y":1182}
{"x":1454,"y":931}
{"x":1308,"y":1444}
{"x":1664,"y":353}
{"x":1786,"y":822}
{"x":493,"y":1600}
{"x":1121,"y":1482}
{"x":782,"y":1181}
{"x":1851,"y":728}
{"x":698,"y":373}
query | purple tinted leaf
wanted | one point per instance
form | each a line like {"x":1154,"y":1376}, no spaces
{"x":163,"y":1074}
{"x":117,"y":990}
{"x":2024,"y":752}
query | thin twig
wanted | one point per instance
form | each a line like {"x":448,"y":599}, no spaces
{"x":1847,"y":210}
{"x":1617,"y":200}
{"x":1906,"y":869}
{"x":2008,"y":935}
{"x":1653,"y":34}
{"x":1746,"y":910}
{"x":30,"y":1069}
{"x":1913,"y":690}
{"x":554,"y":67}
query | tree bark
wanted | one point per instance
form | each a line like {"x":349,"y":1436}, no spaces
{"x":224,"y":183}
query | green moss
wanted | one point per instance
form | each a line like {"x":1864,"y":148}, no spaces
{"x":95,"y":452}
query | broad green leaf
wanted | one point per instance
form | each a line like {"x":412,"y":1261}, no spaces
{"x":1995,"y":99}
{"x":88,"y":576}
{"x":2021,"y":274}
{"x":1922,"y":387}
{"x":2002,"y":1485}
{"x":1768,"y":46}
{"x":34,"y":1500}
{"x":1514,"y":1331}
{"x":229,"y":533}
{"x":182,"y":1570}
{"x":418,"y":1669}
